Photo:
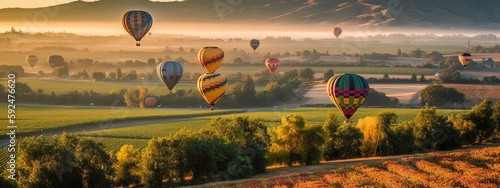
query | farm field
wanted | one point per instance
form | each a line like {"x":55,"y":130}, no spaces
{"x":474,"y":94}
{"x":474,"y":168}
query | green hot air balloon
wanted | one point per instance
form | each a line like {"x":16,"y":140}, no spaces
{"x":347,"y":92}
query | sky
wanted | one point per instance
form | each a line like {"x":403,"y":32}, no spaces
{"x":42,"y":3}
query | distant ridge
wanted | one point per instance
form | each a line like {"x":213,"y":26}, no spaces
{"x":444,"y":14}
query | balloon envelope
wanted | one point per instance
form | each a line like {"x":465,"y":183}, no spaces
{"x":170,"y":72}
{"x":150,"y":102}
{"x":337,"y":31}
{"x":32,"y":60}
{"x":254,"y":43}
{"x":137,"y":23}
{"x":210,"y":58}
{"x":55,"y":61}
{"x":212,"y":87}
{"x":272,"y":64}
{"x":465,"y":59}
{"x":347,"y":92}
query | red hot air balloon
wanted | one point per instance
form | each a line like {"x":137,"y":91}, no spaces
{"x":150,"y":102}
{"x":337,"y":31}
{"x":272,"y":64}
{"x":137,"y":23}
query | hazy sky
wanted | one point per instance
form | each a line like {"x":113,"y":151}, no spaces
{"x":42,"y":3}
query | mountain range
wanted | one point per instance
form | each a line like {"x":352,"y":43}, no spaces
{"x":441,"y":14}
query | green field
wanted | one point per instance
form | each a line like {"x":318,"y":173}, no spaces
{"x":33,"y":120}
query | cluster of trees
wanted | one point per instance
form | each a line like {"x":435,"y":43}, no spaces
{"x":438,"y":95}
{"x":8,"y":69}
{"x":241,"y":147}
{"x":481,"y":49}
{"x":413,"y":79}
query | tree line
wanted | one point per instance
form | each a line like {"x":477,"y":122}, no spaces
{"x":241,"y":147}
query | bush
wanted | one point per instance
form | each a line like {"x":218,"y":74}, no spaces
{"x":438,"y":95}
{"x":433,"y":132}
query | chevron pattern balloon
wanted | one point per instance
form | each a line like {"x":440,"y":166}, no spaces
{"x":210,"y":58}
{"x":272,"y":64}
{"x":212,"y":87}
{"x":347,"y":92}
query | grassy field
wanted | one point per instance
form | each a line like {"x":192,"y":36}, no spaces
{"x":33,"y":119}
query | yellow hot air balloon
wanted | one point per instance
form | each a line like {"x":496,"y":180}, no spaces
{"x":210,"y":58}
{"x":212,"y":87}
{"x":32,"y":60}
{"x":465,"y":59}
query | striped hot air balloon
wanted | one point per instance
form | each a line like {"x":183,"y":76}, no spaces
{"x":337,"y":31}
{"x":272,"y":64}
{"x":347,"y":92}
{"x":55,"y":61}
{"x":32,"y":60}
{"x":137,"y":23}
{"x":210,"y":58}
{"x":465,"y":59}
{"x":254,"y":43}
{"x":150,"y":102}
{"x":170,"y":72}
{"x":212,"y":87}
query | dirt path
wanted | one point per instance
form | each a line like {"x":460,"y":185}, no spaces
{"x":330,"y":165}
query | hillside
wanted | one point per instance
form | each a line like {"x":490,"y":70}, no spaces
{"x":456,"y":14}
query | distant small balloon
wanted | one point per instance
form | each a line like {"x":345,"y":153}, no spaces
{"x":55,"y":61}
{"x":150,"y":102}
{"x":465,"y":59}
{"x":337,"y":31}
{"x":32,"y":60}
{"x":254,"y":43}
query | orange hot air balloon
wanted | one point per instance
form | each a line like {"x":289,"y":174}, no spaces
{"x":150,"y":102}
{"x":465,"y":59}
{"x":337,"y":31}
{"x":272,"y":64}
{"x":210,"y":58}
{"x":137,"y":23}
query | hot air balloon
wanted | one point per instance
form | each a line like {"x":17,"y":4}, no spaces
{"x":465,"y":59}
{"x":150,"y":102}
{"x":347,"y":92}
{"x":32,"y":60}
{"x":210,"y":58}
{"x":137,"y":23}
{"x":169,"y":72}
{"x":272,"y":64}
{"x":254,"y":43}
{"x":212,"y":87}
{"x":55,"y":61}
{"x":337,"y":31}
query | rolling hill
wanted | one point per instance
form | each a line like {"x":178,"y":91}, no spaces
{"x":454,"y":14}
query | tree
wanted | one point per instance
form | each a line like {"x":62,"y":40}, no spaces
{"x":98,"y":76}
{"x":399,"y":54}
{"x":305,"y":54}
{"x":306,"y":74}
{"x":238,"y":61}
{"x":495,"y":116}
{"x":151,"y":62}
{"x":250,"y":135}
{"x":61,"y":72}
{"x":432,"y":132}
{"x":293,"y":140}
{"x":450,"y":76}
{"x":327,"y":75}
{"x":342,"y":141}
{"x":417,"y":53}
{"x":374,"y":135}
{"x":155,"y":162}
{"x":413,"y":77}
{"x":143,"y":94}
{"x":438,"y":95}
{"x":132,"y":98}
{"x":314,"y":55}
{"x":467,"y":128}
{"x":127,"y":170}
{"x":422,"y":78}
{"x":118,"y":72}
{"x":386,"y":76}
{"x":63,"y":161}
{"x":481,"y":115}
